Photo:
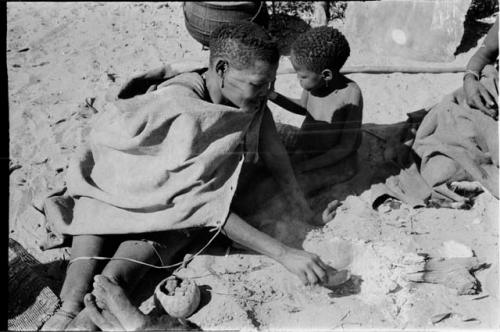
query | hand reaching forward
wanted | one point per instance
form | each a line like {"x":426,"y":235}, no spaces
{"x":307,"y":266}
{"x":477,"y":96}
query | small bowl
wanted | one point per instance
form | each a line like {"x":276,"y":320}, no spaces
{"x":179,"y":297}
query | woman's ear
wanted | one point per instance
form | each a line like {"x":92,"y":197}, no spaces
{"x":221,"y":67}
{"x":327,"y":75}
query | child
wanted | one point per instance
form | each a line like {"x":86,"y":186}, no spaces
{"x":332,"y":103}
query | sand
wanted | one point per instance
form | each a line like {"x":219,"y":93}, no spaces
{"x":60,"y":55}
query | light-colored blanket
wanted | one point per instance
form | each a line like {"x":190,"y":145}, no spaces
{"x":164,"y":160}
{"x":458,"y":143}
{"x":454,"y":143}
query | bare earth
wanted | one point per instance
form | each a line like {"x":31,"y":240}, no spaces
{"x":61,"y":54}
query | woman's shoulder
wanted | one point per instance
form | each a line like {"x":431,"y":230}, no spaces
{"x":192,"y":80}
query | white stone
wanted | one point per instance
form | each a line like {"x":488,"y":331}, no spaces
{"x":451,"y":249}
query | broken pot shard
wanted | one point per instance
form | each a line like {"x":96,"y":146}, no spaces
{"x":336,"y":278}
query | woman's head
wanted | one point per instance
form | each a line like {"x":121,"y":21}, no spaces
{"x":317,"y":55}
{"x":245,"y":59}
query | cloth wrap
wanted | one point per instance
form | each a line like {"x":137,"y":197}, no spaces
{"x":465,"y":136}
{"x":453,"y":143}
{"x":168,"y":159}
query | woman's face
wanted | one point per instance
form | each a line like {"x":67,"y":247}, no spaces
{"x":249,"y":87}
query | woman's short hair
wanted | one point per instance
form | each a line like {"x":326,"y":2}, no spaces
{"x":242,"y":43}
{"x":321,"y":48}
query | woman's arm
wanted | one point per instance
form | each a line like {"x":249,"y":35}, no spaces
{"x":292,"y":105}
{"x":277,"y":161}
{"x":147,"y":81}
{"x":307,"y":266}
{"x":487,"y":53}
{"x":476,"y":95}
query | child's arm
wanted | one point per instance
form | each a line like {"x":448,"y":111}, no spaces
{"x":276,"y":159}
{"x":348,"y":141}
{"x":292,"y":105}
{"x":307,"y":266}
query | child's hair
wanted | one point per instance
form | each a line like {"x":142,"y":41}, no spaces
{"x":321,"y":48}
{"x":242,"y":43}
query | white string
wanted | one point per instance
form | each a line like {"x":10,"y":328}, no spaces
{"x":146,"y":264}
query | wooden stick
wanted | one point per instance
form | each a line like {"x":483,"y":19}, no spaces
{"x":285,"y":67}
{"x":387,"y":70}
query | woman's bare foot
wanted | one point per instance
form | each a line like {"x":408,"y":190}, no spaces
{"x":82,"y":322}
{"x":113,"y":299}
{"x":103,"y":319}
{"x":59,"y":321}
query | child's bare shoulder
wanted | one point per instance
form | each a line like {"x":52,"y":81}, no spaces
{"x":352,"y":94}
{"x":337,"y":103}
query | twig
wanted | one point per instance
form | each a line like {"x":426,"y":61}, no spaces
{"x":345,"y":316}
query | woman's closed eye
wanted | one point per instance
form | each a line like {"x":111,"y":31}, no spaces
{"x":262,"y":86}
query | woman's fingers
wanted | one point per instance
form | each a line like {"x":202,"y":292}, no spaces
{"x":489,"y":103}
{"x":303,"y":278}
{"x":320,"y":273}
{"x":477,"y":102}
{"x":312,"y":278}
{"x":321,"y":264}
{"x":487,"y":97}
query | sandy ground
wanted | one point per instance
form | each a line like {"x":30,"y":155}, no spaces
{"x":60,"y":54}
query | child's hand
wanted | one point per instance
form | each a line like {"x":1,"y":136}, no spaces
{"x":272,"y":95}
{"x":307,"y":266}
{"x":330,"y":211}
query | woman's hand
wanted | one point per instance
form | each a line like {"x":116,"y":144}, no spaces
{"x":477,"y":96}
{"x":307,"y":266}
{"x":142,"y":83}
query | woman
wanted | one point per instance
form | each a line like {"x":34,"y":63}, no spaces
{"x":169,"y":160}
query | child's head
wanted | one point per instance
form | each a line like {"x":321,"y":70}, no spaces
{"x":317,"y":55}
{"x":245,"y":59}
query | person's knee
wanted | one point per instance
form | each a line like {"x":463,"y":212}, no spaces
{"x":123,"y":271}
{"x":438,"y":170}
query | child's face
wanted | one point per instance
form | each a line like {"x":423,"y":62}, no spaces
{"x":249,"y":86}
{"x":308,"y":79}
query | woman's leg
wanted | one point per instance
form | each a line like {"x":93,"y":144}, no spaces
{"x":125,"y":273}
{"x":78,"y":280}
{"x":113,"y":297}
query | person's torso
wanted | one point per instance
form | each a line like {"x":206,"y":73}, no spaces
{"x":325,"y":119}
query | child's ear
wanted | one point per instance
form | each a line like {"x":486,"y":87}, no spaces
{"x":220,"y":67}
{"x":327,"y":75}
